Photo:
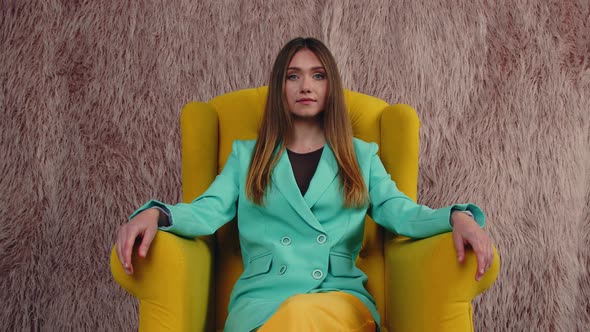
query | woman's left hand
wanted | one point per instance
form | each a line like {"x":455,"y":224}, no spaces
{"x":466,"y":231}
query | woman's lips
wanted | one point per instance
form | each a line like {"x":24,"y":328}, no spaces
{"x":306,"y":101}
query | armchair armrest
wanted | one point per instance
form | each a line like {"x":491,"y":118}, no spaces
{"x":171,"y":283}
{"x":428,"y":290}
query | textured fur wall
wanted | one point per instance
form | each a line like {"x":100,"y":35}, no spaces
{"x":90,"y":99}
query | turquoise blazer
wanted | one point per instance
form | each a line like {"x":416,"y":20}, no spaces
{"x":301,"y":244}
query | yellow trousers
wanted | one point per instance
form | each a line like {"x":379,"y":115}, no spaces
{"x":331,"y":311}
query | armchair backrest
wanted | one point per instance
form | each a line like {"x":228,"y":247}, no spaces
{"x":208,"y":130}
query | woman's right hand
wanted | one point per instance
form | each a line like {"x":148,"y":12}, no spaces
{"x":144,"y":226}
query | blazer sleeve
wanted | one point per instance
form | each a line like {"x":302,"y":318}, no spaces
{"x":398,"y":213}
{"x":208,"y":212}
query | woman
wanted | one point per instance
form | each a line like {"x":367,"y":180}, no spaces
{"x":301,"y":192}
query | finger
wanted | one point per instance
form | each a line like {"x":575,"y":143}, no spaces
{"x":148,"y":237}
{"x":459,"y":246}
{"x":481,"y":262}
{"x":119,"y":246}
{"x":128,"y":251}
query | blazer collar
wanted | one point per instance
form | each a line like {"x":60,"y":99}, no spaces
{"x":323,"y":177}
{"x":284,"y":179}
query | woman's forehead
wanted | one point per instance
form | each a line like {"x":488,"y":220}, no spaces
{"x":305,"y":59}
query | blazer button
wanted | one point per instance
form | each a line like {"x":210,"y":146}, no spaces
{"x":286,"y":241}
{"x":321,"y":239}
{"x":317,"y":274}
{"x":283,"y":269}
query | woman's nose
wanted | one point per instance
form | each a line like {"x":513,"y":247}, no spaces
{"x":305,"y":85}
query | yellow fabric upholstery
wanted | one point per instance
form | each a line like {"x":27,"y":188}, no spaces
{"x":417,"y":285}
{"x":172,"y":289}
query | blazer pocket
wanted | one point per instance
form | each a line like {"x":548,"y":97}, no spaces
{"x":258,"y":264}
{"x":342,"y":265}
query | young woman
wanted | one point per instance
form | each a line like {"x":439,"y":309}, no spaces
{"x":301,"y":192}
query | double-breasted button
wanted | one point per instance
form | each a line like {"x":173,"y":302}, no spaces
{"x":317,"y":274}
{"x":286,"y":241}
{"x":283,"y":269}
{"x":321,"y":239}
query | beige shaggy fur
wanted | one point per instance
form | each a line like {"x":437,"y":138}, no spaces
{"x":90,"y":94}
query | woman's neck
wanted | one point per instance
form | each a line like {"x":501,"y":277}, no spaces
{"x":307,"y":136}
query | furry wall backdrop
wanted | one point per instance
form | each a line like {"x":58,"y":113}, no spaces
{"x":91,"y":93}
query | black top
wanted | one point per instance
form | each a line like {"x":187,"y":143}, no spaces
{"x":304,"y":166}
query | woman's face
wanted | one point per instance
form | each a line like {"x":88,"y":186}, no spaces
{"x":306,"y":86}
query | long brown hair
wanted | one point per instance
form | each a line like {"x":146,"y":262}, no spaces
{"x":276,"y":126}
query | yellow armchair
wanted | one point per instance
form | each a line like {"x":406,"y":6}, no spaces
{"x":184,"y":285}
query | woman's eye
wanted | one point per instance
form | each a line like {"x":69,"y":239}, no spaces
{"x":319,"y":76}
{"x":292,"y":77}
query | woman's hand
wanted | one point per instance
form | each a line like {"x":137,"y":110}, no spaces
{"x":466,"y":231}
{"x":144,"y":225}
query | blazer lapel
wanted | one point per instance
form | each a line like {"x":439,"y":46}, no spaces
{"x":284,"y":179}
{"x":324,"y":175}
